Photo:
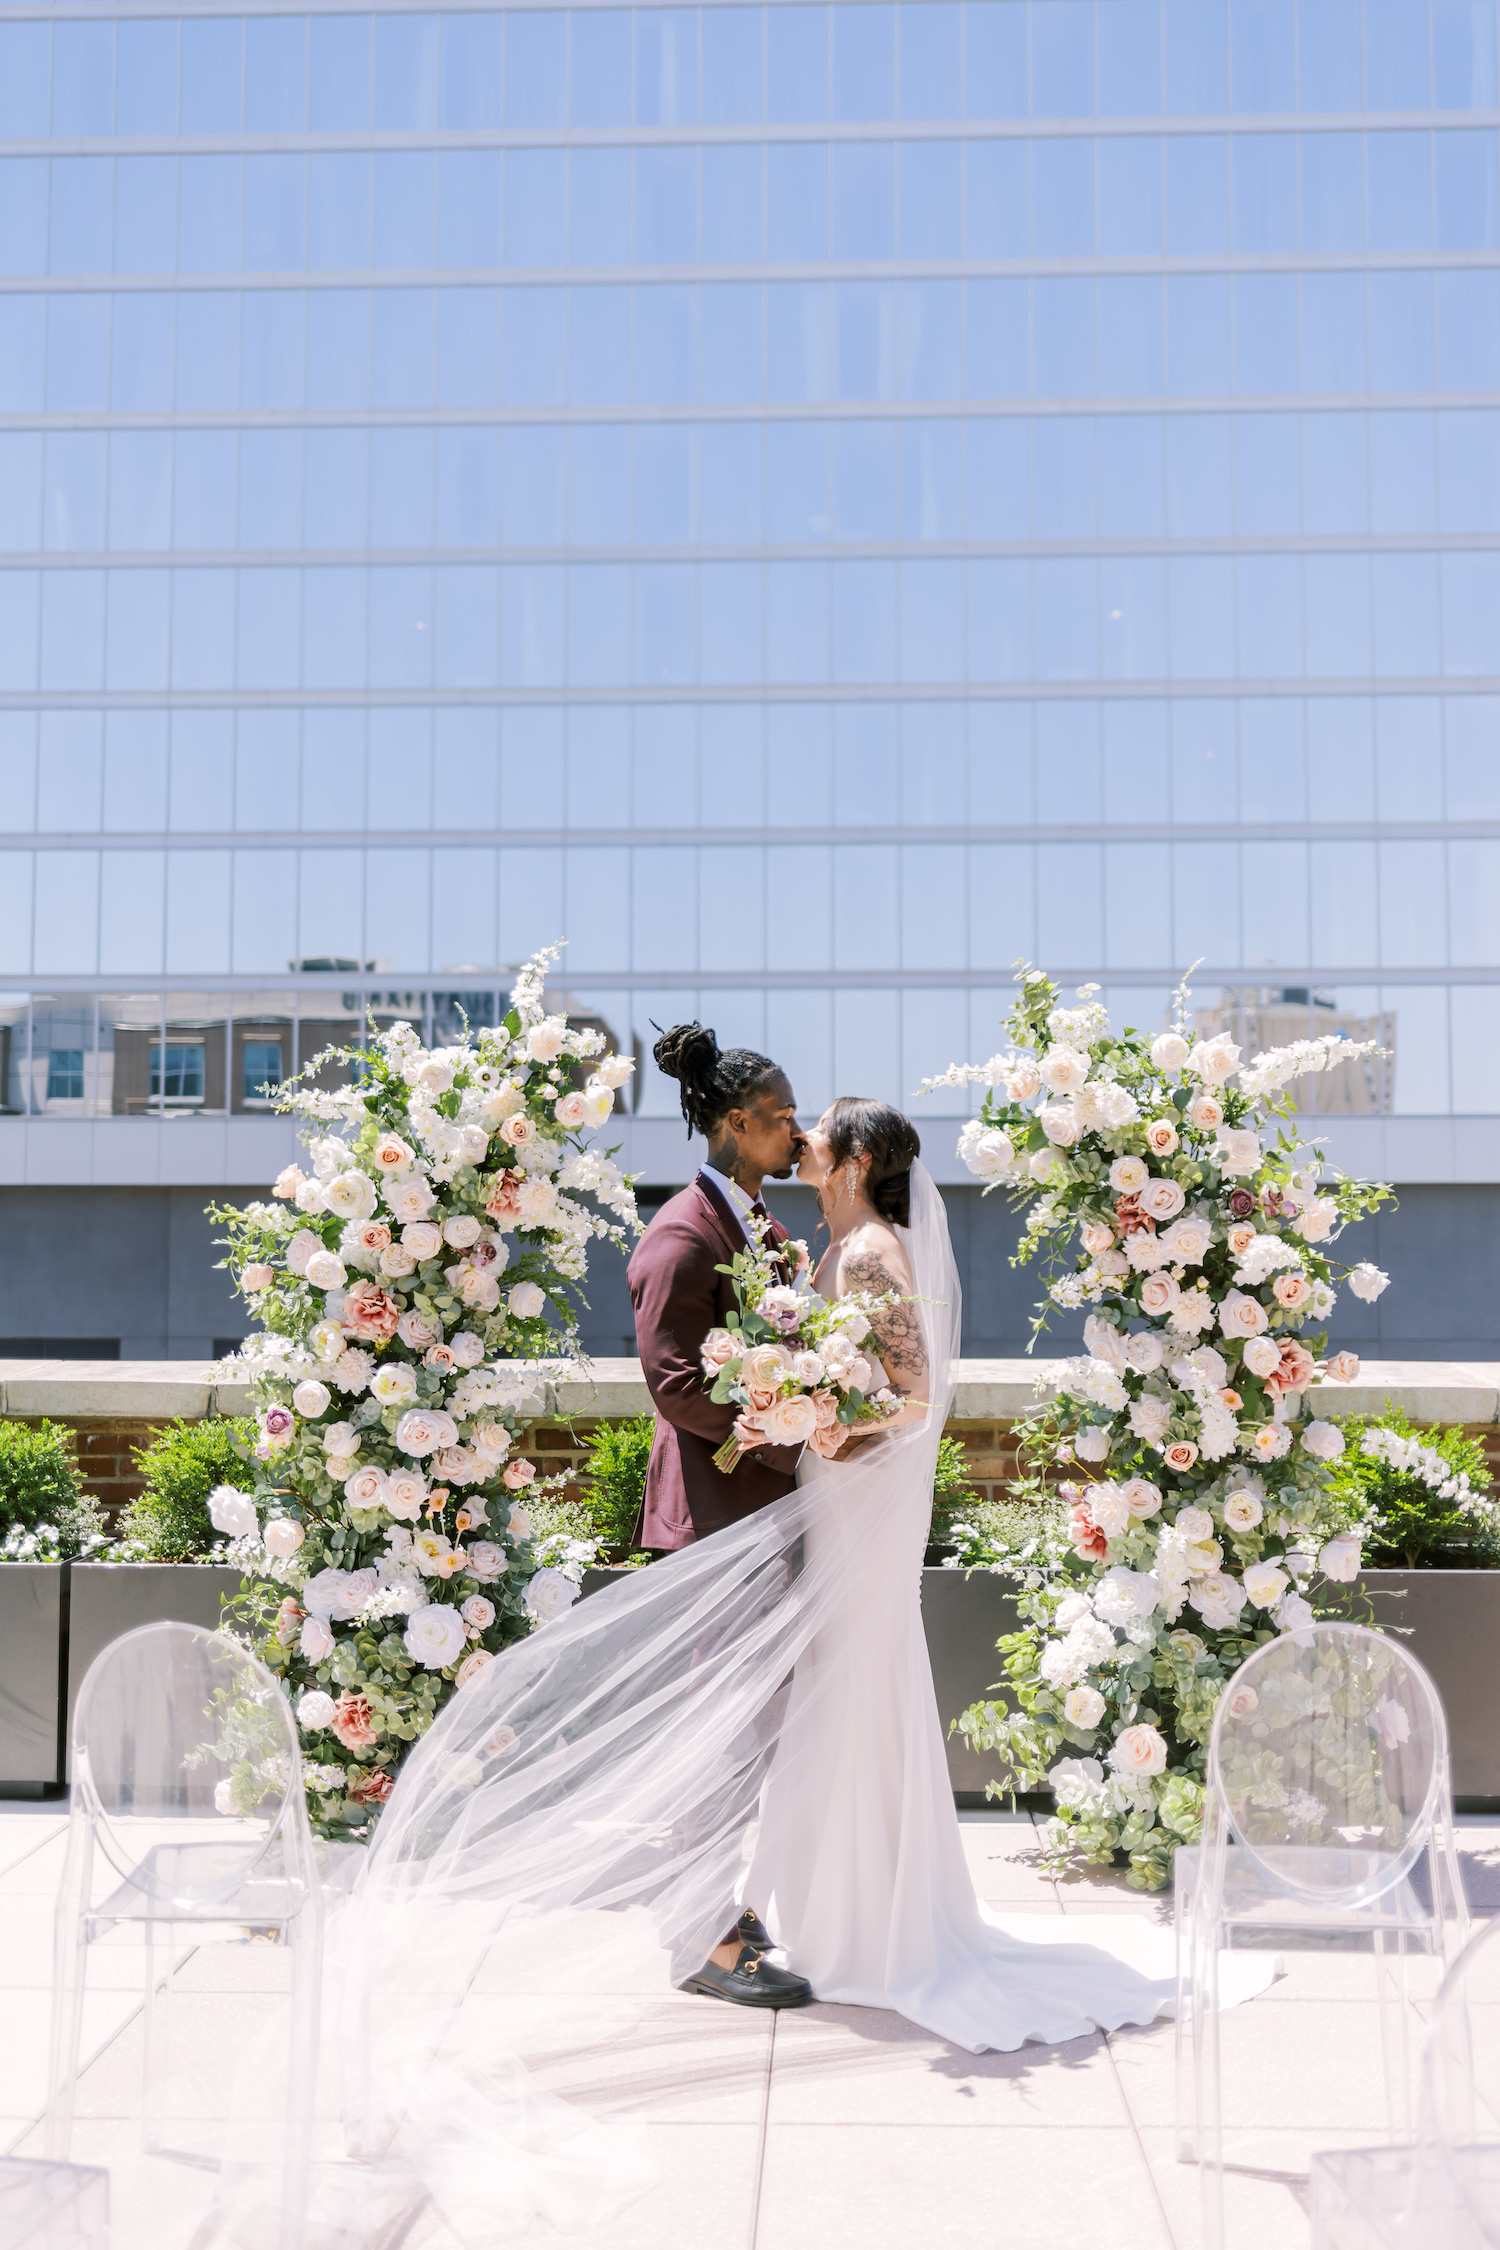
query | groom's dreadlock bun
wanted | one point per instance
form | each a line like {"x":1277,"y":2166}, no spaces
{"x":713,"y":1083}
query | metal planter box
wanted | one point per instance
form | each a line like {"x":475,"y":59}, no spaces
{"x":33,"y":1612}
{"x":1450,"y":1620}
{"x":109,"y":1599}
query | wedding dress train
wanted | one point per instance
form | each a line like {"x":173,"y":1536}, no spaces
{"x":749,"y":1720}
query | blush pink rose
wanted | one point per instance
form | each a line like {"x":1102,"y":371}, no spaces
{"x":1291,"y":1290}
{"x":1180,"y":1456}
{"x":1343,"y":1367}
{"x":370,"y":1312}
{"x":1295,"y":1370}
{"x":351,"y":1722}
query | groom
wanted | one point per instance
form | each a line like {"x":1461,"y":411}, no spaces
{"x":743,"y":1105}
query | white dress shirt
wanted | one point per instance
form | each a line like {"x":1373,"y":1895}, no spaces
{"x":734,"y":1195}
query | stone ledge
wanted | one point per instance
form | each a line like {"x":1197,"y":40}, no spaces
{"x":987,"y":1390}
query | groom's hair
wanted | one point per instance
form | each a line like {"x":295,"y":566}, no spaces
{"x":712,"y":1082}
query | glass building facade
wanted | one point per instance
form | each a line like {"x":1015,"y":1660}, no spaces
{"x":814,"y":502}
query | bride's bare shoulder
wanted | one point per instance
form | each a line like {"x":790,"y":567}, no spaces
{"x":873,"y":1258}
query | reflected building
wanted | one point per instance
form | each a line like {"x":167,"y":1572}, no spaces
{"x":816,"y":503}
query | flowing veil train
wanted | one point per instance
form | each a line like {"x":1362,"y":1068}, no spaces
{"x":750,"y":1718}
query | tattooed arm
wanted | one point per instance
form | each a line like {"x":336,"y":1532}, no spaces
{"x":896,"y":1333}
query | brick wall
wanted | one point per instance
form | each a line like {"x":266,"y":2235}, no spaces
{"x":105,"y":1447}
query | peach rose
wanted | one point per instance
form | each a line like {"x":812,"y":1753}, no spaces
{"x":472,"y":1666}
{"x":792,"y":1421}
{"x":1206,"y":1113}
{"x":1161,"y":1200}
{"x":518,"y":1131}
{"x":517,"y":1475}
{"x":351,"y":1722}
{"x":503,"y":1203}
{"x":1239,"y":1238}
{"x":1343,"y":1367}
{"x":1180,"y":1456}
{"x":719,"y":1347}
{"x":1096,"y":1237}
{"x":826,"y":1404}
{"x":257,"y":1277}
{"x":368,"y":1311}
{"x":391,"y":1155}
{"x":1088,"y":1540}
{"x":1161,"y":1136}
{"x":1159,"y":1293}
{"x":1291,"y":1290}
{"x":1294,"y":1371}
{"x":826,"y":1440}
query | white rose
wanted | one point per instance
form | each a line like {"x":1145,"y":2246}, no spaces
{"x":479,"y":1289}
{"x":283,"y":1535}
{"x":467,"y":1348}
{"x":988,"y":1153}
{"x":408,"y":1199}
{"x":1062,"y":1070}
{"x":314,"y":1709}
{"x":340,"y":1438}
{"x":350,"y":1194}
{"x":405,"y":1494}
{"x":1042,"y":1165}
{"x":1264,"y":1583}
{"x":425,"y":1430}
{"x":1159,"y":1293}
{"x":232,"y":1512}
{"x":1091,"y":1443}
{"x":1262,"y":1355}
{"x":1125,"y":1594}
{"x":309,"y":1197}
{"x":1215,"y":1059}
{"x":548,"y":1595}
{"x":1242,"y":1512}
{"x":1217,"y":1598}
{"x":1169,"y":1051}
{"x":1294,"y":1614}
{"x":434,"y":1636}
{"x":1149,"y":1416}
{"x":365,"y":1488}
{"x":1077,"y":1782}
{"x":1022,"y":1082}
{"x":1195,"y":1525}
{"x":571,"y":1111}
{"x":1083,"y":1707}
{"x":1140,"y":1752}
{"x":1060,"y":1123}
{"x":434,"y":1077}
{"x":324,"y":1592}
{"x":1340,"y":1558}
{"x":544,"y":1042}
{"x":1187,"y":1240}
{"x":1145,"y":1352}
{"x":1318,"y":1220}
{"x":526,"y":1301}
{"x":1109,"y":1508}
{"x":395,"y":1384}
{"x":1367,"y":1281}
{"x":463,"y":1232}
{"x":422,"y":1239}
{"x":615,"y":1069}
{"x":326,"y":1271}
{"x":396,"y":1262}
{"x":1240,"y":1315}
{"x":1323,"y":1440}
{"x":315,"y":1641}
{"x":477,"y":1611}
{"x":1237,"y":1152}
{"x":485,"y":1561}
{"x":303,"y":1245}
{"x":312,"y":1399}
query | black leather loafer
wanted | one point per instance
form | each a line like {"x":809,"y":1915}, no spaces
{"x":753,"y":1931}
{"x":752,"y":1983}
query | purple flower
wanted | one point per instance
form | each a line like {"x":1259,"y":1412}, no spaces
{"x":278,"y":1421}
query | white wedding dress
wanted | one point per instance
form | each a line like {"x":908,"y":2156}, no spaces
{"x":751,"y":1720}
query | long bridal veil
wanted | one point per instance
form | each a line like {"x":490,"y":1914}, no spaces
{"x":571,"y":1840}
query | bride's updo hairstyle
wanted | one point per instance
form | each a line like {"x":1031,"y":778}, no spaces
{"x":874,"y":1129}
{"x":712,"y":1083}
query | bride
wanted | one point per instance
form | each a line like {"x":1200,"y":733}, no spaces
{"x":751,"y":1719}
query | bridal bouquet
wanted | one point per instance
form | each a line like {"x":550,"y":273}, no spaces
{"x":791,"y":1359}
{"x":1167,"y":1183}
{"x":439,"y":1229}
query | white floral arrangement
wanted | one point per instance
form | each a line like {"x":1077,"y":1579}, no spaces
{"x":1169,"y":1186}
{"x":1410,"y":1458}
{"x":417,"y":1288}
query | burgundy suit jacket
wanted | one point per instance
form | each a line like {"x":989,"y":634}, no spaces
{"x":678,"y":1297}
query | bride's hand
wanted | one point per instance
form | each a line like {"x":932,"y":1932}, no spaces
{"x":750,"y":1429}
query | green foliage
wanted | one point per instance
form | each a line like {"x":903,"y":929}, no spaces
{"x":41,"y":1491}
{"x":169,"y":1523}
{"x":1408,"y":1524}
{"x":614,"y":1482}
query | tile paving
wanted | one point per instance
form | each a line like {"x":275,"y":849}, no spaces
{"x":826,"y":2127}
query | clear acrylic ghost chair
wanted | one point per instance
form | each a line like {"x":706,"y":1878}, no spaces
{"x":1442,"y":2193}
{"x":52,"y":2206}
{"x":188,"y":1790}
{"x":1327,"y":1782}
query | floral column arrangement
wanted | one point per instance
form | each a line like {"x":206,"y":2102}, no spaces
{"x":439,"y":1231}
{"x":1168,"y":1186}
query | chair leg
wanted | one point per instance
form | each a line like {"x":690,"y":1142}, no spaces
{"x":1395,"y":2032}
{"x":156,"y":2017}
{"x":1184,"y":2034}
{"x":304,"y":2015}
{"x":69,"y":1982}
{"x":1206,"y":2075}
